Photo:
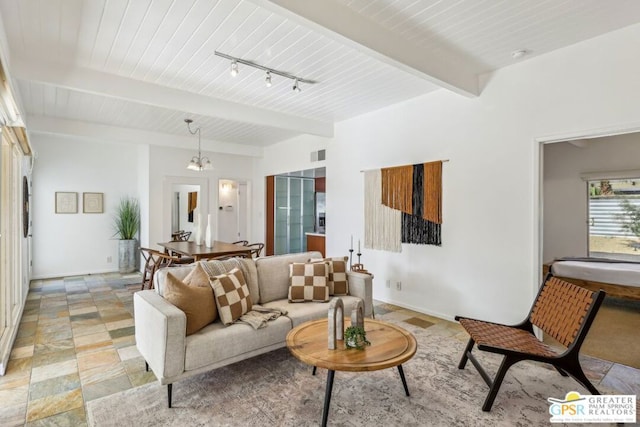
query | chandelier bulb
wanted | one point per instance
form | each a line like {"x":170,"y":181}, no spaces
{"x":267,"y":79}
{"x":234,"y":68}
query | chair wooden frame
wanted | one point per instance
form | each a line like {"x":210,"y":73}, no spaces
{"x":153,"y":261}
{"x":256,"y":249}
{"x":562,"y":310}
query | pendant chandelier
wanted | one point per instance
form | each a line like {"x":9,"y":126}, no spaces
{"x":197,"y":163}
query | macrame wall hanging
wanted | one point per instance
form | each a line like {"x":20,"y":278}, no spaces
{"x":403,"y":204}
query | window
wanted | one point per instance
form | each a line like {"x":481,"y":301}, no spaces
{"x":614,"y":218}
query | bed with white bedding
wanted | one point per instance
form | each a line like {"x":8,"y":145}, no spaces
{"x":617,"y":278}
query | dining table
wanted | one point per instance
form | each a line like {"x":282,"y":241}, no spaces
{"x":198,"y":252}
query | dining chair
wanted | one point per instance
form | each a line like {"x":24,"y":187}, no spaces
{"x":152,"y":260}
{"x":256,"y":249}
{"x":241,"y":242}
{"x":155,"y":260}
{"x":184,"y":236}
{"x":175,"y":235}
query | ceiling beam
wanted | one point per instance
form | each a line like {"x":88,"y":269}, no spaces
{"x":105,"y":133}
{"x":109,"y":85}
{"x":449,"y":69}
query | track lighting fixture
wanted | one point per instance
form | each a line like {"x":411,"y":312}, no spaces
{"x":296,"y":86}
{"x":267,"y":80}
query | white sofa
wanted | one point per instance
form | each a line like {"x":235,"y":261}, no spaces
{"x":160,"y":327}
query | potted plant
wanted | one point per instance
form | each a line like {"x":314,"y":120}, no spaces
{"x":127,"y":223}
{"x":355,"y":337}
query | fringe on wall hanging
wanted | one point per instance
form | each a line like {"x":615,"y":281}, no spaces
{"x":397,"y":188}
{"x":415,"y":228}
{"x":382,"y":225}
{"x":432,"y":192}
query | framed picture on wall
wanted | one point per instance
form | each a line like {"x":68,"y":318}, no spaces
{"x":66,"y":202}
{"x":92,"y":203}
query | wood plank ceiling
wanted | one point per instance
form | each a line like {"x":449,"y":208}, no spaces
{"x":145,"y":65}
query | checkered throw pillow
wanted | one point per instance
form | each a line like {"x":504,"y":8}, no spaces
{"x":232,"y":296}
{"x":308,"y":282}
{"x":338,"y":284}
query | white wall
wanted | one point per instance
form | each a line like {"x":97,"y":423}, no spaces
{"x":68,"y":244}
{"x":487,"y":265}
{"x":80,"y":243}
{"x":565,"y":193}
{"x":171,"y":162}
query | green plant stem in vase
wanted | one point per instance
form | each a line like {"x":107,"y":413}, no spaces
{"x":355,"y":337}
{"x":127,"y":219}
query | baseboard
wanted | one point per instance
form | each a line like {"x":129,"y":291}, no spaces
{"x":72,"y":273}
{"x":418,"y":309}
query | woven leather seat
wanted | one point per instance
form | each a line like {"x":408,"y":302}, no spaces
{"x":562,"y":310}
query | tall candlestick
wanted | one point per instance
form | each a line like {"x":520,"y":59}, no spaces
{"x":358,"y":245}
{"x":351,"y":242}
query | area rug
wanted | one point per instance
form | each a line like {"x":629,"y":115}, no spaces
{"x":614,"y":333}
{"x":275,"y":389}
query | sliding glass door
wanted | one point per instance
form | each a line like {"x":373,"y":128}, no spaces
{"x":294,"y":213}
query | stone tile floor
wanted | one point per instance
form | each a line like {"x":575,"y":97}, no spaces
{"x":76,"y":343}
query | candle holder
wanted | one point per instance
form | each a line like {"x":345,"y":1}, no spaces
{"x":358,"y":257}
{"x":350,"y":255}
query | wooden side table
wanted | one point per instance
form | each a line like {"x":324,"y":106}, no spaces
{"x":390,"y":346}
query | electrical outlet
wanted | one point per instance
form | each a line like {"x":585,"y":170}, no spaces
{"x":399,"y":286}
{"x":109,"y":260}
{"x":388,"y":283}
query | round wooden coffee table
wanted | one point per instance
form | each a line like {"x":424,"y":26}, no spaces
{"x":390,"y":346}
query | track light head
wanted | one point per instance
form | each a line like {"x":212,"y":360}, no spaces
{"x":296,"y":86}
{"x":267,"y":79}
{"x":234,"y":68}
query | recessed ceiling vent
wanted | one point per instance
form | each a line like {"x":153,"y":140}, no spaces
{"x":317,"y":156}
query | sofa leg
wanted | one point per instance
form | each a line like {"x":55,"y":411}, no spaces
{"x":169,"y":387}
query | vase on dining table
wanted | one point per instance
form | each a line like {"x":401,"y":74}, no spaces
{"x":197,"y":228}
{"x":208,"y":238}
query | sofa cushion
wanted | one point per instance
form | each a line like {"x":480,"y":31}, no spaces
{"x":231,"y":295}
{"x":300,"y":313}
{"x":217,"y":343}
{"x":197,"y":277}
{"x":308,"y":282}
{"x":196,"y":302}
{"x":246,"y":265}
{"x":338,"y":283}
{"x":273,"y":274}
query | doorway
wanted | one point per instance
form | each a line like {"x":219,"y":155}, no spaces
{"x":233,"y":209}
{"x":580,"y":177}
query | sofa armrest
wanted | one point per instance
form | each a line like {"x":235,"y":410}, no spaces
{"x":160,"y":329}
{"x":361,"y":286}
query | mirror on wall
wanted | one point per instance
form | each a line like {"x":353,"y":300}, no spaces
{"x":175,"y":207}
{"x":184,"y":200}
